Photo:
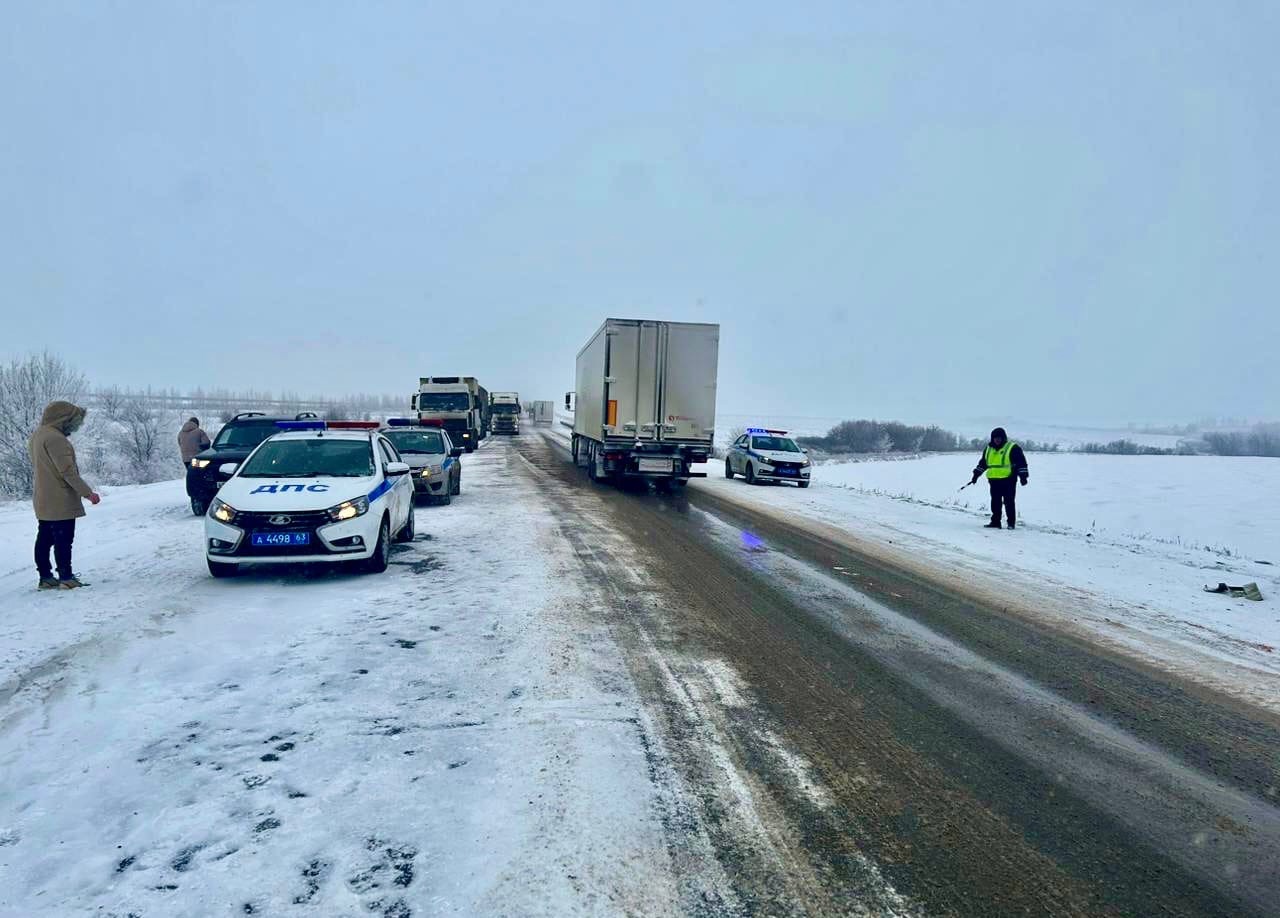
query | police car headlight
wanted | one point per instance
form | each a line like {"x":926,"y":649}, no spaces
{"x":428,"y":472}
{"x":223,"y":512}
{"x":349,"y":509}
{"x":200,"y":463}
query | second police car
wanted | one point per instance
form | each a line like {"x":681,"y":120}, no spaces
{"x":762,"y":455}
{"x":314,"y":492}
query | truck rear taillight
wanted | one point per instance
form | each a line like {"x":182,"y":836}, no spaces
{"x":614,"y":457}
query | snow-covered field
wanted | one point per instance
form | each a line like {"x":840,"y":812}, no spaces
{"x":1222,"y":503}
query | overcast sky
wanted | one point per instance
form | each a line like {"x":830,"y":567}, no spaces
{"x":1066,"y":212}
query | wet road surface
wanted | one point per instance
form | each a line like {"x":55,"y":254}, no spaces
{"x":954,"y":759}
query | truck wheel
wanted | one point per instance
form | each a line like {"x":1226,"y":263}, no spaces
{"x":199,"y":507}
{"x":728,"y":470}
{"x":591,"y":463}
{"x":220,"y":570}
{"x":470,"y":446}
{"x":573,"y":448}
{"x":751,"y":474}
{"x":381,"y":557}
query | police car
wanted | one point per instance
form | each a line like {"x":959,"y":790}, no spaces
{"x":430,"y":453}
{"x":761,"y":454}
{"x":314,"y":492}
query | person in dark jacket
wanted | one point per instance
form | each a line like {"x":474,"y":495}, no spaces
{"x":1005,"y":465}
{"x":191,"y":440}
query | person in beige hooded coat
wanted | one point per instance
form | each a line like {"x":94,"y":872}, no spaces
{"x":57,"y":492}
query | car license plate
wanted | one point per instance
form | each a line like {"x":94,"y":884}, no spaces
{"x":786,"y":471}
{"x":281,"y":538}
{"x":653,"y":465}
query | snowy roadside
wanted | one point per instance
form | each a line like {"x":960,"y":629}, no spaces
{"x":1138,"y":596}
{"x":1114,"y":549}
{"x":452,"y":737}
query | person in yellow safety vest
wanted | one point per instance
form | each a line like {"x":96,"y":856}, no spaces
{"x":1005,"y":465}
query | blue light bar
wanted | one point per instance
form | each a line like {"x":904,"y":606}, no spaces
{"x":301,"y":425}
{"x":402,"y":422}
{"x":766,"y":430}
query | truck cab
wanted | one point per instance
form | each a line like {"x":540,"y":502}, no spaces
{"x":457,"y":404}
{"x":505,"y":412}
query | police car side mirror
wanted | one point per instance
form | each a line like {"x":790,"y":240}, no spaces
{"x":456,"y":452}
{"x":396,"y":468}
{"x":228,"y":468}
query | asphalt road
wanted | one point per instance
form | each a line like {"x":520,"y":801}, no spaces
{"x":970,"y":760}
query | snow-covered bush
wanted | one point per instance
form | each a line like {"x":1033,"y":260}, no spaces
{"x":26,"y":387}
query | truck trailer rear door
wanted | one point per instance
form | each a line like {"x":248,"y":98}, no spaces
{"x":690,"y":354}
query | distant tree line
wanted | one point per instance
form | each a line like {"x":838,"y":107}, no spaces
{"x":871,"y":436}
{"x":1262,"y":440}
{"x":1128,"y":448}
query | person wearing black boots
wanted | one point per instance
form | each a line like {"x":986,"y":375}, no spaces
{"x":1005,"y":465}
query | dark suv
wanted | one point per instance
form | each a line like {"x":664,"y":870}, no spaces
{"x":235,"y":441}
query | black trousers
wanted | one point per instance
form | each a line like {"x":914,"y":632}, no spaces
{"x":1004,"y":491}
{"x":58,"y":535}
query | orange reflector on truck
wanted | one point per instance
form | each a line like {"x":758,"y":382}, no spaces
{"x":612,"y":420}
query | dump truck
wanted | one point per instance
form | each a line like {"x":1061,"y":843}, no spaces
{"x":645,"y":400}
{"x":459,"y":404}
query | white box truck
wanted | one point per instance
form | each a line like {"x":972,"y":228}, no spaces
{"x":542,"y":412}
{"x":645,"y":400}
{"x":504,"y":412}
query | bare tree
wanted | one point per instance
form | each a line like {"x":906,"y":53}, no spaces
{"x":26,"y":387}
{"x":111,"y":402}
{"x":139,"y":438}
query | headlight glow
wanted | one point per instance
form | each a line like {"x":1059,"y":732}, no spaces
{"x":222,"y":511}
{"x":349,"y":509}
{"x":200,"y":463}
{"x":427,"y":472}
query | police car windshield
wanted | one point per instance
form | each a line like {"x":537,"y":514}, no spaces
{"x":444,"y":401}
{"x":311,"y":458}
{"x":417,"y":441}
{"x":775,"y":444}
{"x":243,"y":436}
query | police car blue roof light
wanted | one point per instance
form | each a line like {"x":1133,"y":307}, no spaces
{"x":402,"y":422}
{"x":301,"y":425}
{"x":765,"y":430}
